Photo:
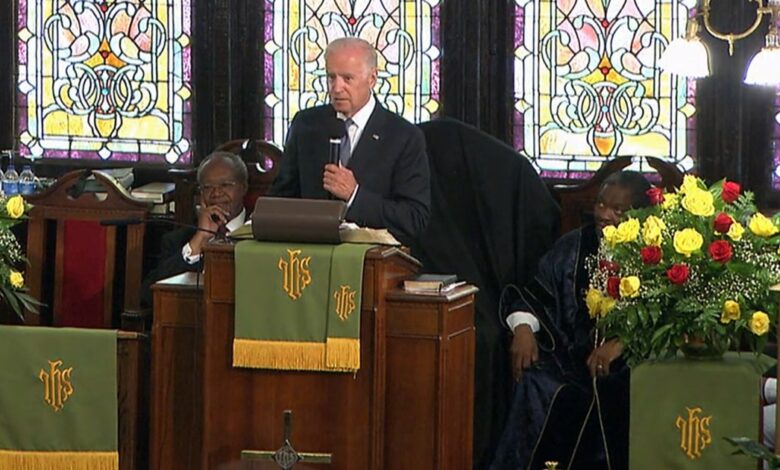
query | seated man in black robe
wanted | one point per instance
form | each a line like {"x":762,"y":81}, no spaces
{"x":555,"y":414}
{"x":223,"y":182}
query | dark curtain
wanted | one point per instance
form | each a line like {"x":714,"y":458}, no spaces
{"x":492,"y":218}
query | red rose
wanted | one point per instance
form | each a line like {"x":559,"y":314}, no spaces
{"x":720,"y":251}
{"x":609,"y":266}
{"x":730,"y":191}
{"x":678,"y":274}
{"x":723,"y":222}
{"x":656,"y":195}
{"x":613,"y":287}
{"x":651,"y":254}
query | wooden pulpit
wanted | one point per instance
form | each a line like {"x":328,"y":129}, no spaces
{"x":409,"y":406}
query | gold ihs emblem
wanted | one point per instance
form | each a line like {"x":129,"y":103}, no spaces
{"x":295,"y":273}
{"x":57,"y":387}
{"x":694,"y":432}
{"x":345,"y":302}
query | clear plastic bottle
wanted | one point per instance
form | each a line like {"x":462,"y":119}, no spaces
{"x":27,"y":183}
{"x":11,"y":181}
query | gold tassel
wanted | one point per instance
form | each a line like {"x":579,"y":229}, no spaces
{"x":342,"y":354}
{"x":54,"y":460}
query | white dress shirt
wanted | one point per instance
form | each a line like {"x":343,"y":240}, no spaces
{"x":355,"y":131}
{"x":186,"y":250}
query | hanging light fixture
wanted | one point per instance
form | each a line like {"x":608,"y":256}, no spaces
{"x":688,"y":56}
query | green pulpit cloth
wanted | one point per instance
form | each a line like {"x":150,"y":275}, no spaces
{"x":298,"y":306}
{"x":58,"y":399}
{"x":682,"y":409}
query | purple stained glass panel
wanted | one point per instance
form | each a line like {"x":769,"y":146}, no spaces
{"x":406,"y":35}
{"x":587,"y":87}
{"x":104,"y":80}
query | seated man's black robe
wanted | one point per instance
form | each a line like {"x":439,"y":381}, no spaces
{"x":555,"y":415}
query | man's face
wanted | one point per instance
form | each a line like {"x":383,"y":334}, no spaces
{"x":221,"y":186}
{"x":350,"y":79}
{"x":611,"y":203}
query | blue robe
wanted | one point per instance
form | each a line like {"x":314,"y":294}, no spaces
{"x":555,"y":414}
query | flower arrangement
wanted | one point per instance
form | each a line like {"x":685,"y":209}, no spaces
{"x":695,"y":266}
{"x":12,"y":289}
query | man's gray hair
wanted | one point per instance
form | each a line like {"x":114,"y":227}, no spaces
{"x":239,"y":167}
{"x":341,"y":43}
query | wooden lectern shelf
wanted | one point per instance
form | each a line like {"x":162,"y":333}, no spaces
{"x":409,"y":406}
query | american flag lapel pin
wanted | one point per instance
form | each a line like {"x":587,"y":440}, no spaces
{"x":375,"y":136}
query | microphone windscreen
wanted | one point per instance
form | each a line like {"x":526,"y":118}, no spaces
{"x":335,"y":128}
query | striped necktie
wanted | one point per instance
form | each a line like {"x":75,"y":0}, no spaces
{"x":346,"y":144}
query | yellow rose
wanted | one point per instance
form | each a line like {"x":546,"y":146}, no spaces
{"x":762,"y":226}
{"x":593,"y":301}
{"x":16,"y":279}
{"x":736,"y":231}
{"x":652,"y":230}
{"x":759,"y":323}
{"x":627,"y":231}
{"x":731,"y":311}
{"x":687,"y":241}
{"x":690,"y":183}
{"x":15,"y":207}
{"x":629,"y":287}
{"x":607,"y":304}
{"x":670,"y":201}
{"x":610,"y":235}
{"x":698,"y":202}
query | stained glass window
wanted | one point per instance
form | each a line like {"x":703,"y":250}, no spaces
{"x":105,"y":79}
{"x":404,"y":32}
{"x":776,"y":146}
{"x":588,"y":87}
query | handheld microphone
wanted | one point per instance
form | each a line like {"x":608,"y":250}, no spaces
{"x":138,"y":220}
{"x":336,"y":130}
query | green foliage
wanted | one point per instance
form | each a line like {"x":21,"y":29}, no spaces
{"x":751,"y":448}
{"x":723,"y":296}
{"x":12,"y":289}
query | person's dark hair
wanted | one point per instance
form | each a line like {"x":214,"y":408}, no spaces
{"x":634,"y":182}
{"x":239,"y":167}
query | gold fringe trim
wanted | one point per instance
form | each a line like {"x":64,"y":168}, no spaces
{"x":282,"y":355}
{"x":337,"y":355}
{"x":342,"y":354}
{"x":54,"y":460}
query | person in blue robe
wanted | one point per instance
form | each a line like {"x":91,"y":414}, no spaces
{"x":570,"y":402}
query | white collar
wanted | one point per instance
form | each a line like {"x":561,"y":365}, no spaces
{"x":237,"y":221}
{"x":361,"y":117}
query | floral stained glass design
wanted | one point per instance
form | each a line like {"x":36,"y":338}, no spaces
{"x":588,"y":87}
{"x":776,"y":146}
{"x":404,"y":32}
{"x":105,"y":79}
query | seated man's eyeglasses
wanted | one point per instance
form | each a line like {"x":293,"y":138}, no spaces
{"x":222,"y":186}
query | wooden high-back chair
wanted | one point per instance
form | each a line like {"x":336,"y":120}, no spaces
{"x":78,"y":283}
{"x":262,"y":161}
{"x":577,"y":200}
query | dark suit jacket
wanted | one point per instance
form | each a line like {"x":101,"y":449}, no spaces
{"x":170,"y":261}
{"x":389,"y":163}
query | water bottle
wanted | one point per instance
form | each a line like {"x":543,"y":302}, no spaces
{"x":27,"y":184}
{"x":11,"y":181}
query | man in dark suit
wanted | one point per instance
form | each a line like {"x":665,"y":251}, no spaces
{"x":223,"y":182}
{"x":383,"y":171}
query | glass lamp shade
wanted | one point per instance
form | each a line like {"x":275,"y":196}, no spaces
{"x":687,"y":57}
{"x":764,"y":69}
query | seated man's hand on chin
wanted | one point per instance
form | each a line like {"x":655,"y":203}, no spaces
{"x":601,"y":358}
{"x":339,"y":181}
{"x":524,"y":349}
